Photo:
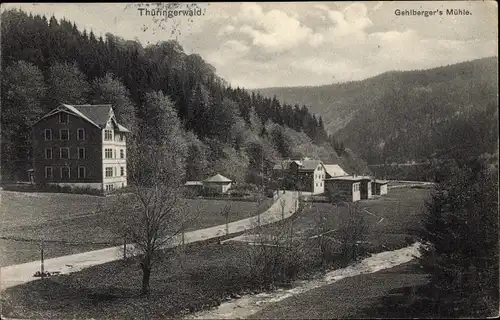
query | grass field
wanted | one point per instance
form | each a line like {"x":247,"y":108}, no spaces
{"x":390,"y":218}
{"x":71,"y":223}
{"x":201,"y":277}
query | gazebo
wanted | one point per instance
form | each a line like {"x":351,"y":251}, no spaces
{"x":217,"y":184}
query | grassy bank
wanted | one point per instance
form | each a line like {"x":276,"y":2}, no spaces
{"x":383,"y":294}
{"x":200,"y":277}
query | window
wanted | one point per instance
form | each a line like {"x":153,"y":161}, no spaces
{"x":109,"y":187}
{"x":120,"y":137}
{"x":64,"y":153}
{"x":81,"y":172}
{"x":122,"y":171}
{"x":65,"y":173}
{"x":122,"y":154}
{"x":108,"y":153}
{"x":108,"y":135}
{"x":63,"y":117}
{"x":80,"y":134}
{"x":64,"y":134}
{"x":49,"y":174}
{"x":109,"y":171}
{"x":48,"y":153}
{"x":81,"y":153}
{"x":48,"y":134}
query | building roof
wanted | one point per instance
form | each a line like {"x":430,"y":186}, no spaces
{"x":193,"y":183}
{"x":365,"y":177}
{"x":96,"y":114}
{"x":381,"y":181}
{"x":285,"y":163}
{"x":122,"y":128}
{"x":346,"y":178}
{"x":304,"y":164}
{"x":218,"y":178}
{"x":334,"y":170}
{"x":309,"y":164}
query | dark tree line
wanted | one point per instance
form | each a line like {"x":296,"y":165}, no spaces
{"x":68,"y":65}
{"x":189,"y":80}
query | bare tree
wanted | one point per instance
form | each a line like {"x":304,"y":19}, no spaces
{"x":352,"y":231}
{"x":150,"y":212}
{"x":274,"y":256}
{"x":353,"y":227}
{"x":324,"y":236}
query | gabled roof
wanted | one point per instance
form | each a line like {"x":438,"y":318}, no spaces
{"x":310,"y":164}
{"x":284,"y":164}
{"x":122,"y":128}
{"x":96,"y":114}
{"x":218,"y":178}
{"x":334,"y":170}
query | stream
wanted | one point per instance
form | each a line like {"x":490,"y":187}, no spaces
{"x":250,"y":304}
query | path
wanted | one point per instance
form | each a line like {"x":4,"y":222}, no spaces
{"x":18,"y":274}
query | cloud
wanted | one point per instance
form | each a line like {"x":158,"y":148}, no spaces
{"x":292,"y":44}
{"x":228,"y":29}
{"x":273,"y":31}
{"x":328,"y":44}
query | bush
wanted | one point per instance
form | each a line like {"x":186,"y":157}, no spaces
{"x":42,"y":187}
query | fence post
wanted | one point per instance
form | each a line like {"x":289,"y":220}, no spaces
{"x":124,"y":247}
{"x":42,"y":266}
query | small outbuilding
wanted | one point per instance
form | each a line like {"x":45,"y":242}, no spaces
{"x":379,"y":187}
{"x":217,"y":184}
{"x":346,"y":188}
{"x":194,"y":187}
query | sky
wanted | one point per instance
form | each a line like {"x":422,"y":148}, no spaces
{"x":258,"y":45}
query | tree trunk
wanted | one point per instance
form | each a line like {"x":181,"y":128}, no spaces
{"x":146,"y":274}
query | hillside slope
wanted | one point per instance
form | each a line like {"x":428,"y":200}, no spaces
{"x":159,"y":92}
{"x":411,"y":115}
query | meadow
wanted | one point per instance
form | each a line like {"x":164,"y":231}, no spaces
{"x":72,"y":223}
{"x":201,"y":276}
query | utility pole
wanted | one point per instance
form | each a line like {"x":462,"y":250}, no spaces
{"x":261,"y":182}
{"x":262,"y":168}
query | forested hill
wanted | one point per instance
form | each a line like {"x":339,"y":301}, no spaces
{"x":159,"y":92}
{"x":443,"y":112}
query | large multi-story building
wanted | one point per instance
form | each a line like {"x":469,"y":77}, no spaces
{"x":80,"y":146}
{"x":307,"y":174}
